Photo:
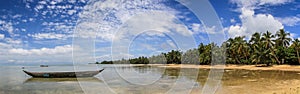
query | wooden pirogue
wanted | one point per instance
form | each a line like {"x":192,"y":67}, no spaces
{"x":63,"y":74}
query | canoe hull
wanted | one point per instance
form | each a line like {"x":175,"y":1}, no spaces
{"x":63,"y":74}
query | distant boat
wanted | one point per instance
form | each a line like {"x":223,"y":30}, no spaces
{"x":63,"y":74}
{"x":43,"y":65}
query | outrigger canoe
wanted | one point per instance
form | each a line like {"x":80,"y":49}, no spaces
{"x":63,"y":74}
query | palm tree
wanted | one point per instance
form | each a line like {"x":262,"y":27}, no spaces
{"x":230,"y":51}
{"x":282,"y":38}
{"x":259,"y":54}
{"x":256,"y":38}
{"x":237,"y":47}
{"x":295,"y":45}
{"x":282,"y":42}
{"x":269,"y":45}
{"x":173,"y":57}
{"x":256,"y":48}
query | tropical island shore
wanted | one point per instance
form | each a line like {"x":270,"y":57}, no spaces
{"x":295,"y":68}
{"x":231,"y":66}
{"x":285,"y":87}
{"x":274,"y":86}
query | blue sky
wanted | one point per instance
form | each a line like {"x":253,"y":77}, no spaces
{"x":63,"y":31}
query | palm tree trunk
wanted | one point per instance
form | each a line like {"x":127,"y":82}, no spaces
{"x":236,"y":59}
{"x":246,"y":56}
{"x":276,"y":58}
{"x":298,"y":56}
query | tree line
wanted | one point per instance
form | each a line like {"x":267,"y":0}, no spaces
{"x":260,"y":48}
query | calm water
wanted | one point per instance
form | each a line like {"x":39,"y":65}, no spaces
{"x":124,"y":79}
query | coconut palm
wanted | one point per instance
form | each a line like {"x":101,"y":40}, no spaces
{"x":238,"y":47}
{"x":256,"y":48}
{"x":255,"y":38}
{"x":282,"y":42}
{"x":269,"y":45}
{"x":295,"y":45}
{"x":201,"y":50}
{"x":282,"y":38}
{"x":260,"y":54}
{"x":230,"y":51}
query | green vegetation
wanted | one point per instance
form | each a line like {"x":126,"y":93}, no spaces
{"x":261,"y":48}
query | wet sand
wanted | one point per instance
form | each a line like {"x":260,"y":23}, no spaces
{"x":284,"y":79}
{"x":283,"y":87}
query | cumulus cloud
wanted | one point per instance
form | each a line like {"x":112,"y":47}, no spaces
{"x":42,"y":51}
{"x":10,"y":52}
{"x":289,"y":21}
{"x":252,"y":22}
{"x":159,"y":21}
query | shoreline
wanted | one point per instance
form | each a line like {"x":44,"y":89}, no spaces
{"x":295,"y":68}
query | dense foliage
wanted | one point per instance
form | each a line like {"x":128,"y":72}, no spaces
{"x":261,"y":48}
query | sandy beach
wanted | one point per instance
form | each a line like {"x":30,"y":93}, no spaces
{"x":246,"y":67}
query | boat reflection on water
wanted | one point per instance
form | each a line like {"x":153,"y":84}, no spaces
{"x":87,"y":79}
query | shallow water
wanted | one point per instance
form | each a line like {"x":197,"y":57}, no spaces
{"x":125,"y":79}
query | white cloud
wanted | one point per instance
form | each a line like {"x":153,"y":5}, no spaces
{"x":42,"y":36}
{"x":6,"y":26}
{"x":235,"y":30}
{"x":42,"y":2}
{"x":94,"y":18}
{"x":12,"y":41}
{"x":66,"y":26}
{"x":252,"y":22}
{"x":274,"y":2}
{"x":53,"y":2}
{"x":42,"y":51}
{"x":71,"y":12}
{"x":39,"y":7}
{"x":31,"y":19}
{"x":2,"y":36}
{"x":157,"y":20}
{"x":289,"y":21}
{"x":24,"y":30}
{"x":196,"y":27}
{"x":72,"y":1}
{"x":114,"y":57}
{"x":255,"y":3}
{"x":232,"y":20}
{"x":18,"y":55}
{"x":199,"y":28}
{"x":16,"y":16}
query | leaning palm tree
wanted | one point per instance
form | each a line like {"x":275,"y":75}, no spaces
{"x":269,"y":45}
{"x":259,"y":54}
{"x":295,"y":45}
{"x":282,"y":42}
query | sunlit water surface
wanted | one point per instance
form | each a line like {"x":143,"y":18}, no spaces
{"x":126,"y":79}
